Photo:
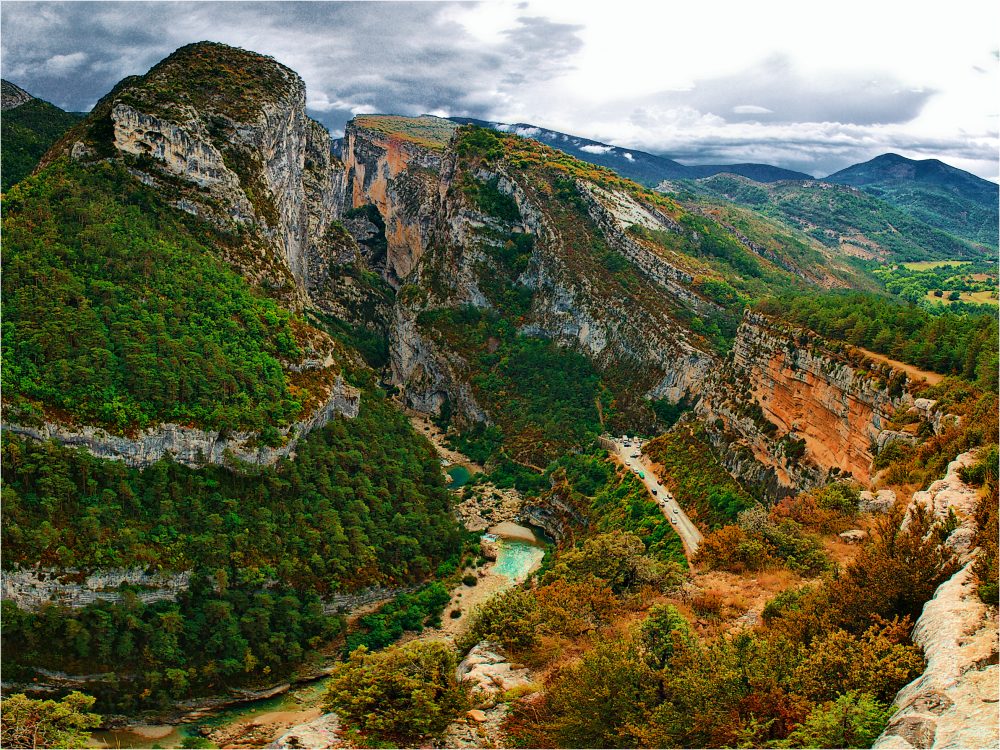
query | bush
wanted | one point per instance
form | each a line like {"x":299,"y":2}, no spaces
{"x":510,"y":617}
{"x":404,"y":694}
{"x":25,"y":722}
{"x":853,"y":720}
{"x":470,"y":580}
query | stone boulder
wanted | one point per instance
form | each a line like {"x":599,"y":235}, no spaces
{"x":320,"y":733}
{"x":481,"y":730}
{"x":881,"y":501}
{"x":490,"y":673}
{"x":853,"y":536}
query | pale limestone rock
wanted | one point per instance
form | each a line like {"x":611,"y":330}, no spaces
{"x":853,"y":536}
{"x":881,"y":501}
{"x":487,"y":668}
{"x":192,"y":446}
{"x":30,"y":588}
{"x":317,"y":734}
{"x":953,"y":704}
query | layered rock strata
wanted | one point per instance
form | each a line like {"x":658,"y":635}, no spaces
{"x":787,"y":413}
{"x":192,"y":446}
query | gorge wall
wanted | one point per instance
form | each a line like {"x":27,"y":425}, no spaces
{"x":788,"y":412}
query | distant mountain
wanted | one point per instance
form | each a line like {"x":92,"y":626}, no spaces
{"x":30,"y":127}
{"x":645,"y":168}
{"x":841,"y":217}
{"x":932,"y":191}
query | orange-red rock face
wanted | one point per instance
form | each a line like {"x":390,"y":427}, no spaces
{"x":399,"y":179}
{"x":837,"y":410}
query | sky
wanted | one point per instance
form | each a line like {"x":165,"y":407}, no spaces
{"x":808,"y":86}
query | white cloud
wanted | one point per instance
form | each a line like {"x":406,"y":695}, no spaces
{"x":751,"y":109}
{"x":595,"y":149}
{"x":628,"y":156}
{"x":62,"y":64}
{"x":768,"y":88}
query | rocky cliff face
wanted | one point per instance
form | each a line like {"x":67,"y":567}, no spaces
{"x":12,"y":95}
{"x":572,"y":301}
{"x":191,"y":446}
{"x":954,"y":702}
{"x":788,"y":413}
{"x":400,"y":177}
{"x":241,"y":149}
{"x":30,"y":588}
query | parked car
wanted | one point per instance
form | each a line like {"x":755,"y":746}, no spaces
{"x":654,"y":491}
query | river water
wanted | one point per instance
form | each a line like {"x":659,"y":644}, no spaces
{"x":516,"y":559}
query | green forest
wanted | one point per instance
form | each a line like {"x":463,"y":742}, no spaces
{"x":362,"y":504}
{"x":951,"y":343}
{"x":118,"y":311}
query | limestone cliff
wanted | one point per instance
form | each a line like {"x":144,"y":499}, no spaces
{"x":225,"y":132}
{"x":192,"y":446}
{"x":572,"y":300}
{"x":953,"y":704}
{"x":397,"y":172}
{"x":787,"y":411}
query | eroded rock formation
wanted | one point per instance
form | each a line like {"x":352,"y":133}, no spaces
{"x":954,"y":703}
{"x":788,"y":413}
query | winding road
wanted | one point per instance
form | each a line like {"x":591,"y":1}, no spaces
{"x":686,"y":530}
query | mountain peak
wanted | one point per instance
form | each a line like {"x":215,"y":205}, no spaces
{"x":213,"y":77}
{"x":12,"y":95}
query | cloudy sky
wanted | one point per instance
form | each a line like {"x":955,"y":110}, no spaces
{"x":808,"y":86}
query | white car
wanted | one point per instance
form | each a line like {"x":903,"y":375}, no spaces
{"x":673,"y":520}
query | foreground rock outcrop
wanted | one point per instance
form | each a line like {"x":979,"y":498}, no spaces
{"x":954,"y":703}
{"x":489,"y":672}
{"x":319,"y":734}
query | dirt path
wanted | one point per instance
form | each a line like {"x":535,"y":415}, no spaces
{"x":915,"y":373}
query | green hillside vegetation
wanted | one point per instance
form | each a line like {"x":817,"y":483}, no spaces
{"x":119,"y":312}
{"x":834,"y":214}
{"x":933,"y":192}
{"x":363,"y":503}
{"x":923,"y":282}
{"x":951,"y":343}
{"x":28,"y":132}
{"x":696,"y":478}
{"x":156,"y":654}
{"x":429,"y":132}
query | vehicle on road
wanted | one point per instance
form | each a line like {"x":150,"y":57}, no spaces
{"x":673,"y":520}
{"x":642,"y":475}
{"x":654,"y":491}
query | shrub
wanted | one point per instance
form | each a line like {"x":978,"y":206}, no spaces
{"x":853,"y":720}
{"x":470,"y":580}
{"x":403,"y":694}
{"x":510,"y":617}
{"x":25,"y":722}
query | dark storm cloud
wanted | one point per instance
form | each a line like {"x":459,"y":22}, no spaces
{"x":355,"y":57}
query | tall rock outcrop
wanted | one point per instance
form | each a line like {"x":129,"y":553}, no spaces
{"x":225,"y":132}
{"x":788,"y":412}
{"x":394,"y":163}
{"x":953,"y":704}
{"x":222,"y":133}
